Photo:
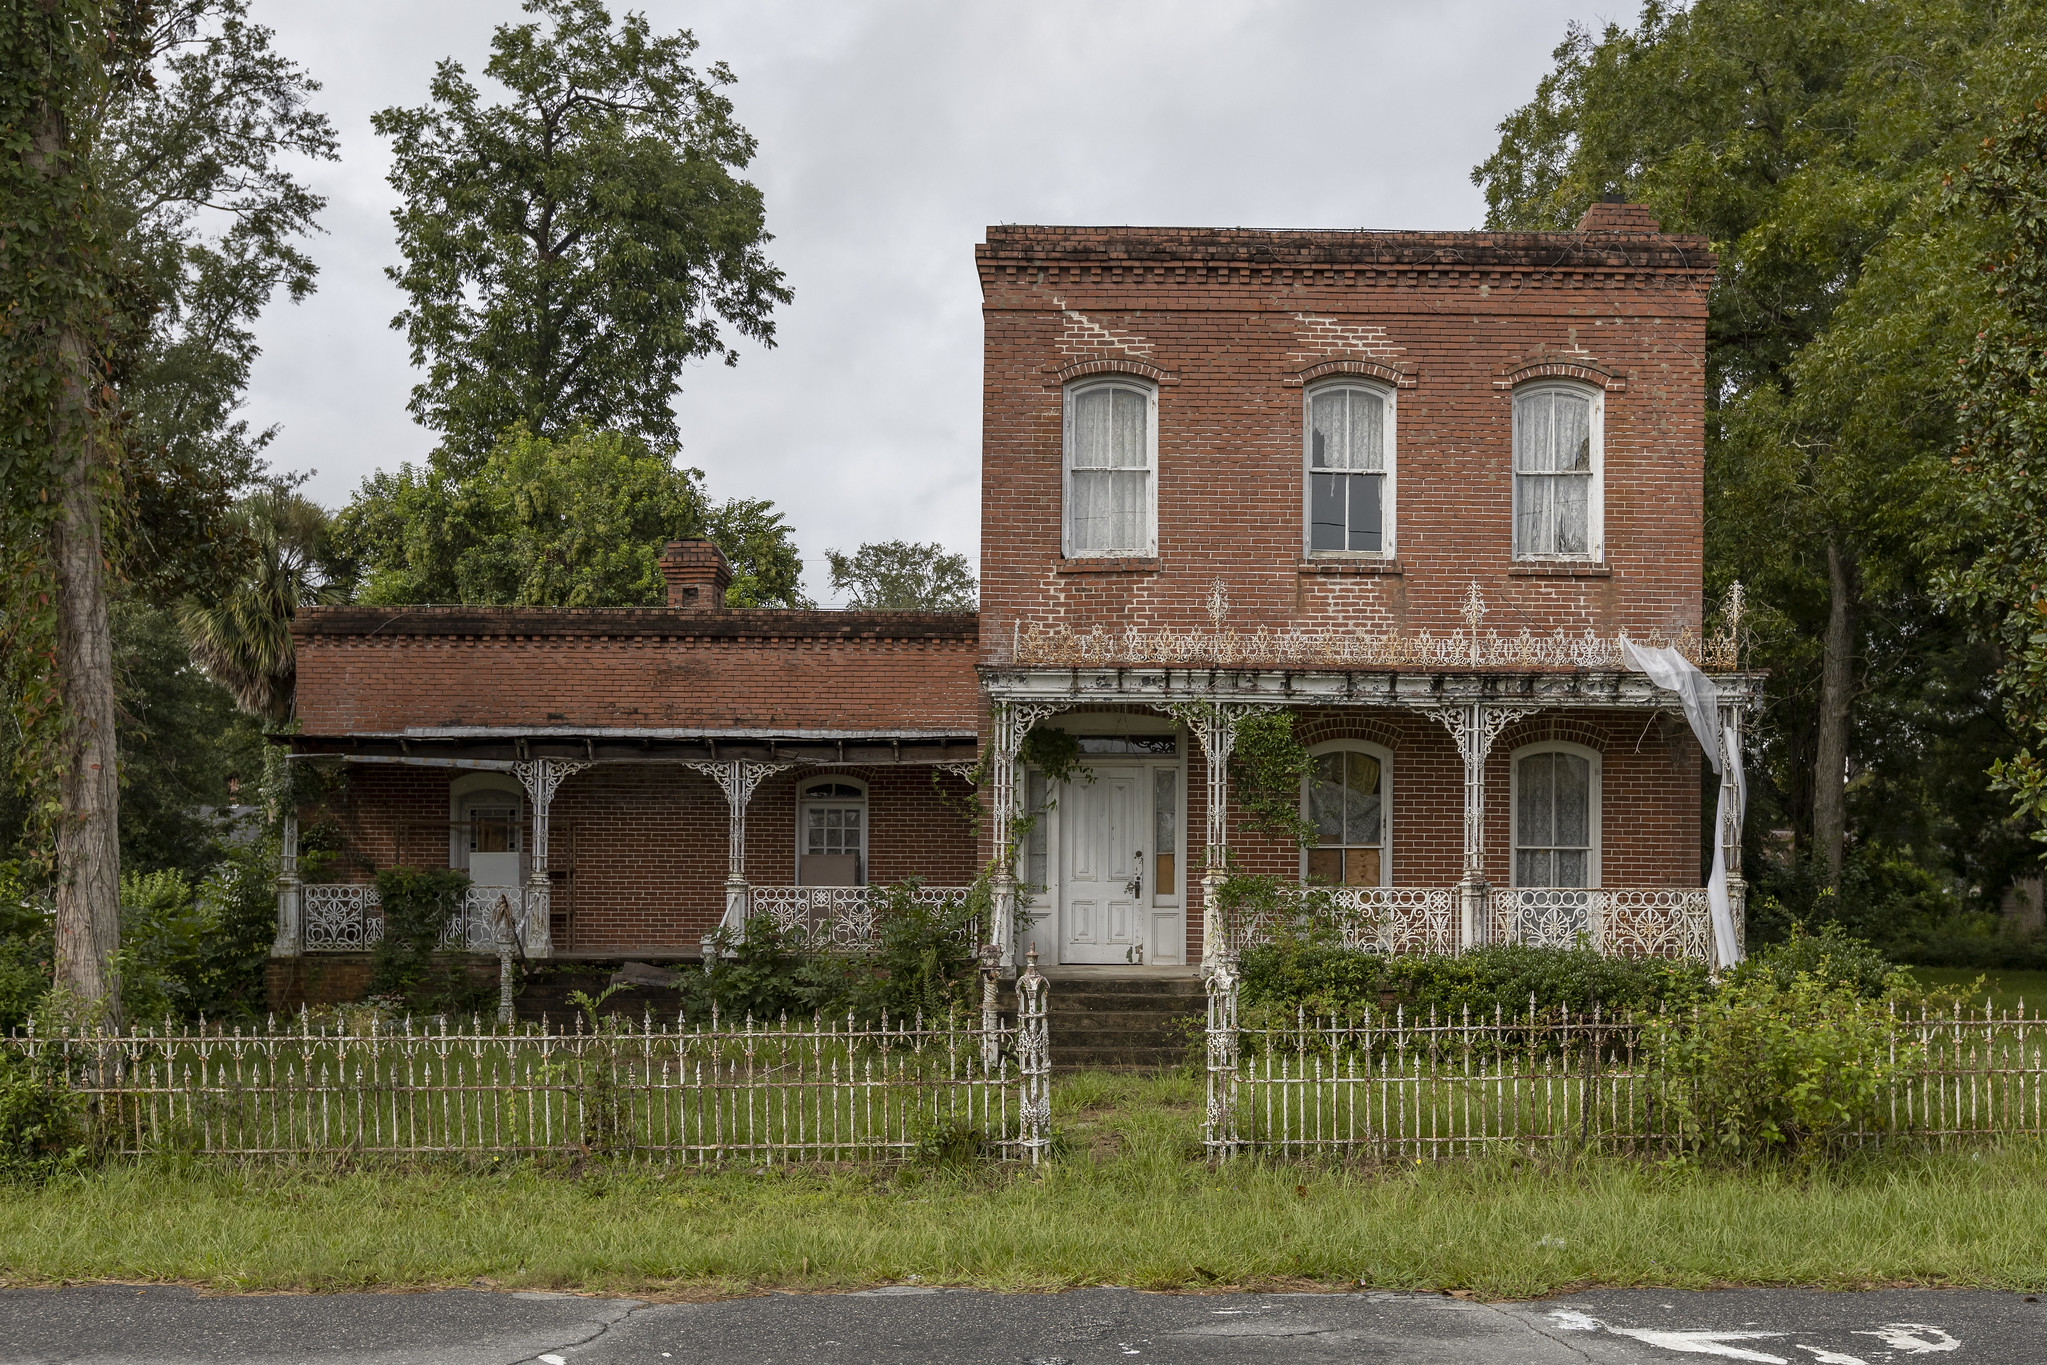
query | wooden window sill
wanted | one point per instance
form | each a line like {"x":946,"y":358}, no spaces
{"x":1545,"y":569}
{"x":1109,"y":564}
{"x":1370,"y":568}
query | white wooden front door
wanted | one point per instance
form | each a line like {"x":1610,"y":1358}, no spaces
{"x":1103,"y":868}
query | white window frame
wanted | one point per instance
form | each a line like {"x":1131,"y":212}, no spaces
{"x":804,"y":802}
{"x":1389,"y":503}
{"x":1595,"y":511}
{"x":1150,"y":392}
{"x":1595,"y":799}
{"x":1385,"y":757}
{"x":491,"y":791}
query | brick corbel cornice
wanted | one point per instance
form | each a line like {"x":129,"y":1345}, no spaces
{"x":1080,"y":369}
{"x":1401,"y":377}
{"x":1582,"y":368}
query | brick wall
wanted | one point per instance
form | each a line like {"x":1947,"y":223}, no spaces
{"x":384,"y":670}
{"x":638,"y":852}
{"x":1229,"y":322}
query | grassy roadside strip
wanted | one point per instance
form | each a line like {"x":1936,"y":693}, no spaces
{"x":1124,"y":1204}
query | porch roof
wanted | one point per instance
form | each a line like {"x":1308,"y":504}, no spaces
{"x":1596,"y":689}
{"x":493,"y":745}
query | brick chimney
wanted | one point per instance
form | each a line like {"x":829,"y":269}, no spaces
{"x":1614,"y":214}
{"x":697,"y":575}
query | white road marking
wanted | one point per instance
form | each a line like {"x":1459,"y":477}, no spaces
{"x":1822,"y":1356}
{"x":552,"y":1360}
{"x":1571,"y":1320}
{"x":1703,"y":1343}
{"x":1914,"y":1338}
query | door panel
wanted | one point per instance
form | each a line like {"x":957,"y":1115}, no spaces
{"x":1103,"y":825}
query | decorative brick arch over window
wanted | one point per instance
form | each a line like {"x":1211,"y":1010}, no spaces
{"x":1554,"y":814}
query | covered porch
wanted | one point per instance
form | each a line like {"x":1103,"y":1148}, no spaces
{"x":1465,"y":790}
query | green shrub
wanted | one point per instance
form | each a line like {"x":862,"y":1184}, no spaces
{"x":42,"y":1126}
{"x":922,"y":962}
{"x":1832,"y":957}
{"x":1773,"y":1065}
{"x":418,"y":905}
{"x":27,"y":947}
{"x":1307,"y":971}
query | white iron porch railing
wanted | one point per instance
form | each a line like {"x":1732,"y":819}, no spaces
{"x":350,"y":918}
{"x":845,"y":918}
{"x":1373,"y":919}
{"x":1618,"y":921}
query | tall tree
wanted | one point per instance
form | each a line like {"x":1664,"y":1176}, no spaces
{"x":567,"y":250}
{"x":895,"y":575}
{"x":576,"y":522}
{"x":147,"y":221}
{"x":1806,"y":139}
{"x":2002,"y":454}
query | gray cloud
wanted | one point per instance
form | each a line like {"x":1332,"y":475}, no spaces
{"x":891,"y":135}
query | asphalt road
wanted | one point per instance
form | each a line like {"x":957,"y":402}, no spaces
{"x":115,"y":1325}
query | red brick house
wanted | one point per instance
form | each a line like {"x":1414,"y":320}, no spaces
{"x":1416,"y":488}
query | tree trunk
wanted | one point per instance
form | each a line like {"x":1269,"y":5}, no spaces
{"x":1830,"y":759}
{"x":88,"y":780}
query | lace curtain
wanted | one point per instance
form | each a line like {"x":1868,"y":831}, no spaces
{"x":1552,"y":473}
{"x":1109,"y":486}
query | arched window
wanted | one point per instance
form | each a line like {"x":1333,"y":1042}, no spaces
{"x":1348,"y":799}
{"x":1349,"y":449}
{"x":1559,"y":466}
{"x":831,"y":832}
{"x":1556,"y":815}
{"x":487,"y":829}
{"x":1111,"y":460}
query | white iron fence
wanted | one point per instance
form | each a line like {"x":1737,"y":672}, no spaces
{"x":1397,"y":1088}
{"x":350,"y":918}
{"x":848,"y":918}
{"x":779,"y":1092}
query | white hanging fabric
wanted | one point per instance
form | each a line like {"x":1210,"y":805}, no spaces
{"x":1673,"y":672}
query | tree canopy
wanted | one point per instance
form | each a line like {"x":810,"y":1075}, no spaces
{"x":573,"y":522}
{"x":896,"y":575}
{"x":1808,"y":139}
{"x":570,"y":248}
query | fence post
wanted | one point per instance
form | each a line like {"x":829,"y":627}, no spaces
{"x":991,"y":1016}
{"x":1033,"y":1061}
{"x":1219,"y":1125}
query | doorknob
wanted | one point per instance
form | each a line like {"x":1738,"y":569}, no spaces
{"x":1135,"y":886}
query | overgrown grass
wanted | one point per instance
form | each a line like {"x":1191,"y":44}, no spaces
{"x":2006,"y":989}
{"x":1126,"y":1202}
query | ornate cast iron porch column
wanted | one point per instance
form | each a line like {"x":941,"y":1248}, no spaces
{"x":1473,"y":727}
{"x":1215,"y":729}
{"x":1733,"y":803}
{"x":737,"y":778}
{"x":540,"y":778}
{"x":291,"y":937}
{"x":1010,"y":722}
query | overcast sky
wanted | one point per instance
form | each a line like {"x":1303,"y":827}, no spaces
{"x":891,"y":135}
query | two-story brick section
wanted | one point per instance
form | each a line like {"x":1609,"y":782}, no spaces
{"x":1426,"y":491}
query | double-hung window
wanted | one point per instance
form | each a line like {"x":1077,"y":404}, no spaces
{"x":1350,"y":470}
{"x":1557,"y":470}
{"x":1556,"y":817}
{"x":1111,"y":469}
{"x":1346,"y":803}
